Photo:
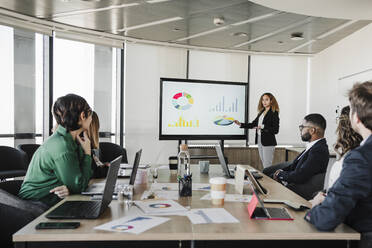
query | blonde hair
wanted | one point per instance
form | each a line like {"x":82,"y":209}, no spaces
{"x":93,"y":131}
{"x":274,"y":104}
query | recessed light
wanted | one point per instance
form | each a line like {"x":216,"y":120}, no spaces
{"x":280,"y":42}
{"x":296,"y":36}
{"x":176,"y":29}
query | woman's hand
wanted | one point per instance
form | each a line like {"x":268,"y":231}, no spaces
{"x":60,"y":191}
{"x":319,"y":198}
{"x":85,"y":143}
{"x":237,"y":123}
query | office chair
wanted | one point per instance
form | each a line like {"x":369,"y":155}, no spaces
{"x":13,"y":162}
{"x":14,"y":211}
{"x":29,"y":149}
{"x":109,"y":151}
{"x":308,"y":189}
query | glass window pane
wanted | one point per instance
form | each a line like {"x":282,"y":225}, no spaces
{"x":73,"y":69}
{"x":7,"y":80}
{"x":39,"y":83}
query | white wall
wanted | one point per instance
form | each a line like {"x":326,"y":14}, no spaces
{"x":286,"y":78}
{"x":346,"y":57}
{"x":144,"y":66}
{"x":219,"y":67}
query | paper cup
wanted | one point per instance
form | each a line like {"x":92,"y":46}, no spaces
{"x":218,"y":190}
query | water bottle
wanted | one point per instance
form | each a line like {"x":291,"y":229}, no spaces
{"x":183,"y":162}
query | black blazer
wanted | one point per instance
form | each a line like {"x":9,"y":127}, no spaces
{"x":349,"y":200}
{"x":313,"y":161}
{"x":271,"y":127}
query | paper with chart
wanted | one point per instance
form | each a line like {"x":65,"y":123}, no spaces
{"x":160,"y":207}
{"x":231,"y":198}
{"x":132,"y":224}
{"x":210,"y":215}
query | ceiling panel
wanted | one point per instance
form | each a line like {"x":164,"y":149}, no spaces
{"x":268,"y":35}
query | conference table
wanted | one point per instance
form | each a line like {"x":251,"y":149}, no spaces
{"x":180,"y":232}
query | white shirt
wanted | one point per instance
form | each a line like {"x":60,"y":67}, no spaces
{"x":308,"y":146}
{"x":260,"y":120}
{"x":335,"y":172}
{"x":364,"y":141}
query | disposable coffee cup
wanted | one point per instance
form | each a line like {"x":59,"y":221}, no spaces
{"x":218,"y":190}
{"x":204,"y":167}
{"x":141,"y":177}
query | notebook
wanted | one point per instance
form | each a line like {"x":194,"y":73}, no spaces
{"x":264,"y":213}
{"x":89,"y":209}
{"x":97,"y":188}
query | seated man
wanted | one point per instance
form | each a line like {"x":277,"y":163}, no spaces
{"x":312,"y":161}
{"x":349,"y":200}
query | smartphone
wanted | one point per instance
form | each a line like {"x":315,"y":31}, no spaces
{"x":57,"y":225}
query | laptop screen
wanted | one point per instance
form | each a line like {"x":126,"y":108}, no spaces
{"x":135,"y":167}
{"x":222,"y":160}
{"x":110,"y":182}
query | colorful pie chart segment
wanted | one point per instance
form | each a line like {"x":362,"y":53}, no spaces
{"x":159,"y":205}
{"x":223,"y":120}
{"x":182,"y":101}
{"x":122,"y":227}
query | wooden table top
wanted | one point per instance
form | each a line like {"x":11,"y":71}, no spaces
{"x":180,"y":228}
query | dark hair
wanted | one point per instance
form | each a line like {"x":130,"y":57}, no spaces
{"x":318,"y":121}
{"x":360,"y":97}
{"x":347,"y":138}
{"x":274,"y":104}
{"x":67,"y":110}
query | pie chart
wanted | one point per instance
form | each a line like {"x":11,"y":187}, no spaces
{"x":159,"y":205}
{"x":182,"y":101}
{"x":223,"y":120}
{"x":121,"y":227}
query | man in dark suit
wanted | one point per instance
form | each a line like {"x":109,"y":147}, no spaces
{"x":313,"y":161}
{"x":349,"y":200}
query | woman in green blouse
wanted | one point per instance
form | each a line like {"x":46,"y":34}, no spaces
{"x":62,"y":165}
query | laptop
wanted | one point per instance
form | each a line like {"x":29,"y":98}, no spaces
{"x":264,"y":213}
{"x":97,"y":188}
{"x":89,"y":209}
{"x":230,"y":173}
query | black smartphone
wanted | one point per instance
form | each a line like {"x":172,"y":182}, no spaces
{"x":57,"y":225}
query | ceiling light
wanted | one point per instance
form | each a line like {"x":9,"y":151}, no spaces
{"x":336,"y":29}
{"x":219,"y":21}
{"x":257,"y":18}
{"x":202,"y":33}
{"x":296,"y":36}
{"x":85,"y":11}
{"x":151,"y":23}
{"x":157,"y":1}
{"x":176,"y":29}
{"x":305,"y":21}
{"x":301,"y":46}
{"x":239,"y":34}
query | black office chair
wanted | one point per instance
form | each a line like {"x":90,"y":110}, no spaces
{"x":14,"y":211}
{"x":109,"y":151}
{"x":308,"y":189}
{"x":13,"y":163}
{"x":29,"y":149}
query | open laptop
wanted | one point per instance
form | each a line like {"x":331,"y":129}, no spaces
{"x":264,"y":213}
{"x":89,"y":209}
{"x":230,"y":172}
{"x":97,"y":188}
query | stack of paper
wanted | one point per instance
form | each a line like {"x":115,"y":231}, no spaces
{"x":210,"y":215}
{"x":231,"y":198}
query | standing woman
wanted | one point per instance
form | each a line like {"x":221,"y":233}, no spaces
{"x":266,"y":125}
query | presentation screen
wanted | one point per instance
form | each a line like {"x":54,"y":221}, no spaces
{"x":198,"y":109}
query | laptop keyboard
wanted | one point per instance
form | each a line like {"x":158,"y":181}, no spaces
{"x":83,"y":208}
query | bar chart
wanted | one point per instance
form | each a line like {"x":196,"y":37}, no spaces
{"x":224,"y":106}
{"x":184,"y":123}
